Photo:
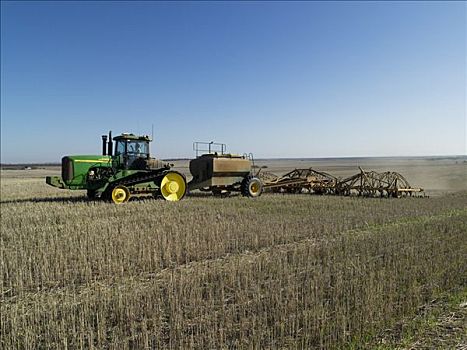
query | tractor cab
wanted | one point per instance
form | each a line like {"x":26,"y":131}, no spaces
{"x":131,"y":151}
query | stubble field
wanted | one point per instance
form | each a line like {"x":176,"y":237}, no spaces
{"x":279,"y":271}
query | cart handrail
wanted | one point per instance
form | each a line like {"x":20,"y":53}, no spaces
{"x":208,"y":147}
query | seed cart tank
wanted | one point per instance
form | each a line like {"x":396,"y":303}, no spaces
{"x":222,"y":172}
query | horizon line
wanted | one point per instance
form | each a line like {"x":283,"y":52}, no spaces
{"x":271,"y":158}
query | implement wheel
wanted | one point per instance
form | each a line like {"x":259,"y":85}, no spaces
{"x":120,"y":194}
{"x":251,"y":187}
{"x":173,"y":186}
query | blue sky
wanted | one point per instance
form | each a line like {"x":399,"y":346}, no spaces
{"x":279,"y":79}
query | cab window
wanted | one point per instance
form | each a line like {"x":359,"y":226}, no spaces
{"x":138,"y":148}
{"x":120,"y":148}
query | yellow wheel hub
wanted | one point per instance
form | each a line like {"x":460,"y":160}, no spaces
{"x":254,"y":187}
{"x":120,"y":194}
{"x":173,"y":187}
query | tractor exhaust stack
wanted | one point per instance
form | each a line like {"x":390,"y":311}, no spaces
{"x":104,"y":145}
{"x":110,"y":144}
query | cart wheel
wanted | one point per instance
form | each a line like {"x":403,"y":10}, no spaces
{"x":251,"y":187}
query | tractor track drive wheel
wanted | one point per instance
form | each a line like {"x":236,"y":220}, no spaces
{"x":251,"y":187}
{"x":120,"y":194}
{"x":173,"y":186}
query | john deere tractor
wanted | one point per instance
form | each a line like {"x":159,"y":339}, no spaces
{"x":116,"y":176}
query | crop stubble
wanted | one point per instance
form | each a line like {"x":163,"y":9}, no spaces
{"x":280,"y":271}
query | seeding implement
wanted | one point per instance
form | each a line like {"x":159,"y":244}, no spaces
{"x":365,"y":183}
{"x":374,"y":184}
{"x":300,"y":180}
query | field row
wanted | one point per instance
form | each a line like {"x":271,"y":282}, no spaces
{"x":308,"y":294}
{"x":56,"y":244}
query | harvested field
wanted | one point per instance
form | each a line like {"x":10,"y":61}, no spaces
{"x":280,"y":271}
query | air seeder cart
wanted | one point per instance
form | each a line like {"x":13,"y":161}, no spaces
{"x":222,"y":173}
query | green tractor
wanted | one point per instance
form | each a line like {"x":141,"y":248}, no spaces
{"x":116,"y":176}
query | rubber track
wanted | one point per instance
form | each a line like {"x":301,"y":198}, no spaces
{"x":133,"y":180}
